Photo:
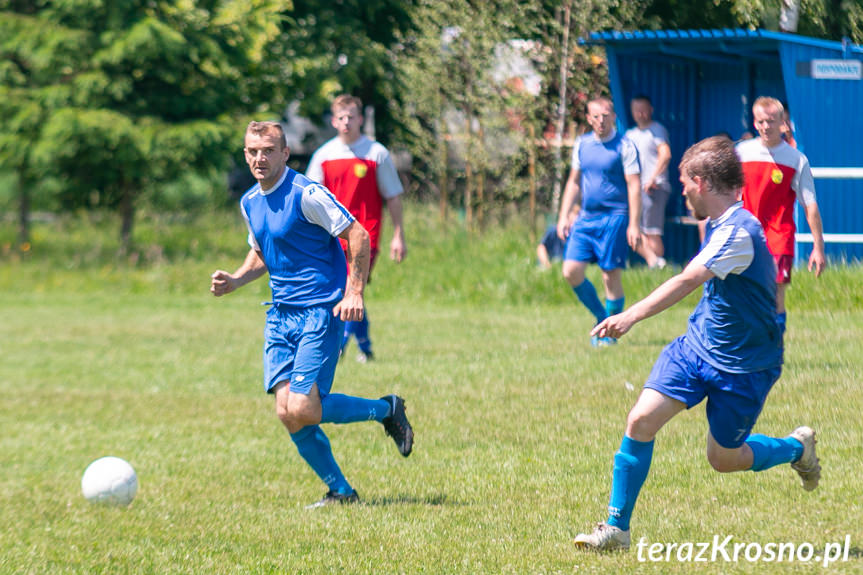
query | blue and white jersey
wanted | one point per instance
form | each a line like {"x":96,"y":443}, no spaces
{"x":295,"y":226}
{"x":604,"y":165}
{"x":734,"y":326}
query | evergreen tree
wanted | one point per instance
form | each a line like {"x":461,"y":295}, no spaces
{"x":110,"y":97}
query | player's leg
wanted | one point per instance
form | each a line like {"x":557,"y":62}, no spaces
{"x":652,"y":220}
{"x":784,"y":264}
{"x":315,"y":368}
{"x":350,"y":327}
{"x":364,"y":342}
{"x":313,"y":372}
{"x":574,"y":272}
{"x":631,"y":466}
{"x":612,"y":281}
{"x":299,"y":412}
{"x":734,"y":404}
{"x":301,"y":345}
{"x":666,"y":393}
{"x":579,"y":251}
{"x":612,"y":253}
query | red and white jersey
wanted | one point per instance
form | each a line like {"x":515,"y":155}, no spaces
{"x":773,"y":179}
{"x":361,"y":176}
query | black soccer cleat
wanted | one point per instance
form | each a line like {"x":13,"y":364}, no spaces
{"x":334,"y":498}
{"x":397,"y":425}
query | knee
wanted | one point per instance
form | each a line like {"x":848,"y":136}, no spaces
{"x":724,"y":461}
{"x":640,"y":427}
{"x":572,"y":273}
{"x":297,"y":416}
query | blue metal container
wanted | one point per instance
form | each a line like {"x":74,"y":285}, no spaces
{"x":703,"y":82}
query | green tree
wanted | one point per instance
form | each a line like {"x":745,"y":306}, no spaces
{"x":829,"y":19}
{"x":328,"y":47}
{"x":112,"y":97}
{"x":452,"y":101}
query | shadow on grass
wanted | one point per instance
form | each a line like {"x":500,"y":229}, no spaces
{"x":436,"y":499}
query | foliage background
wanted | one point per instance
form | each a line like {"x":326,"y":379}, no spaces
{"x":139,"y":106}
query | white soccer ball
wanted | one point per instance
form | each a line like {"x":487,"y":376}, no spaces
{"x":109,"y":481}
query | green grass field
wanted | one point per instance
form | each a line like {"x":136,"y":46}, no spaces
{"x":516,"y":417}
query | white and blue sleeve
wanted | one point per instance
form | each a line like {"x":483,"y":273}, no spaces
{"x":629,"y":157}
{"x":321,"y":207}
{"x":729,"y":251}
{"x":253,"y":243}
{"x":576,"y":165}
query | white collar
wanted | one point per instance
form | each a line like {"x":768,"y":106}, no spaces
{"x":279,"y":183}
{"x":726,"y":214}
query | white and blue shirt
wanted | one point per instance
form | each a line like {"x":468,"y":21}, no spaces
{"x":604,"y":165}
{"x":295,"y":225}
{"x":734,"y":326}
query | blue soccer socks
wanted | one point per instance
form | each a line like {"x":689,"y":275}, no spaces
{"x":360,"y":330}
{"x":631,"y":464}
{"x":338,"y":408}
{"x":768,"y":452}
{"x":314,"y":447}
{"x":586,"y":294}
{"x":614,"y":306}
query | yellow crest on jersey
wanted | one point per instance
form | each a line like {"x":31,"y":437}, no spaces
{"x":360,"y":170}
{"x":776,"y":176}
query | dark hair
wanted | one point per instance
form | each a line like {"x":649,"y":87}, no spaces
{"x":715,"y":161}
{"x":642,"y":98}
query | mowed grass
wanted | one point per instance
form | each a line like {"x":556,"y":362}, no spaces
{"x":516,"y":419}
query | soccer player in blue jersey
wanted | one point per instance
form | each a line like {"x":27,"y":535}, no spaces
{"x":294,"y":225}
{"x":600,"y":212}
{"x":731,"y":353}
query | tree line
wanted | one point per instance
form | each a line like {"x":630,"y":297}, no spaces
{"x":110,"y":105}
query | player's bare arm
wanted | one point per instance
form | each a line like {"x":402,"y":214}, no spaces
{"x":663,"y":158}
{"x":633,"y":190}
{"x":221,"y":282}
{"x":571,"y":197}
{"x":817,"y":259}
{"x":359,"y":255}
{"x":660,"y":299}
{"x":398,"y":247}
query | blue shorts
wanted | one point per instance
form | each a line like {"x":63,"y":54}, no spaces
{"x":301,"y":345}
{"x":734,"y":400}
{"x":599,"y":238}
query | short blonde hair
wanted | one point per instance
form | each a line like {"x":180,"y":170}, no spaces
{"x":765,"y":102}
{"x":344,"y":101}
{"x":602,"y":101}
{"x":262,"y":128}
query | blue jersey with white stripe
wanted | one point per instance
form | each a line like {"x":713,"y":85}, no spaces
{"x":734,"y":326}
{"x":604,"y":166}
{"x":295,"y":227}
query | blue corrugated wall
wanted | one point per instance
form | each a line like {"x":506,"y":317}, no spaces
{"x":704,"y":82}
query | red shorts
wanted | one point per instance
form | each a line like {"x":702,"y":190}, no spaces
{"x":783,"y":268}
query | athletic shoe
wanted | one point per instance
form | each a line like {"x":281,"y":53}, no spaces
{"x":363,"y":357}
{"x":397,"y":425}
{"x":604,"y":538}
{"x":597,"y":341}
{"x":807,"y":467}
{"x":334,"y":498}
